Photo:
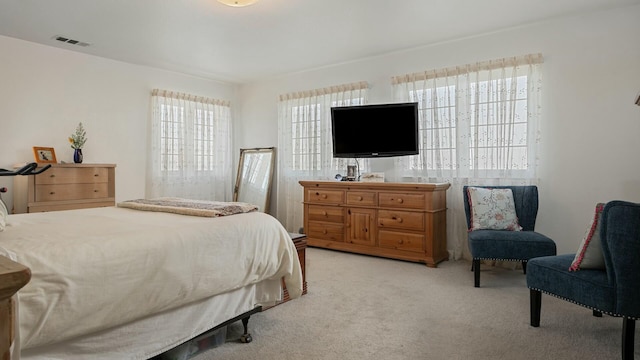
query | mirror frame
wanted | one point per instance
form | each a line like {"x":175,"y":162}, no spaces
{"x":243,"y":153}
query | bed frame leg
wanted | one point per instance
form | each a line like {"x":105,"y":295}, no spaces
{"x":246,"y":337}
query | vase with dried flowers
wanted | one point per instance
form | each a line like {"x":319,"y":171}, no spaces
{"x":77,"y":141}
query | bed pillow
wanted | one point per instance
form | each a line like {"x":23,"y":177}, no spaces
{"x":3,"y":215}
{"x":492,"y":209}
{"x":589,"y":255}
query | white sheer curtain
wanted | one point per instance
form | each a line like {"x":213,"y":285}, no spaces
{"x":305,"y":149}
{"x":190,"y":147}
{"x":478,"y":126}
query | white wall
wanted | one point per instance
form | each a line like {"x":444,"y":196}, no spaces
{"x":46,"y":91}
{"x":590,"y":127}
{"x":589,"y":130}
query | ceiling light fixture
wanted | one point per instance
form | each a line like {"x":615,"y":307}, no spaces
{"x":238,"y":3}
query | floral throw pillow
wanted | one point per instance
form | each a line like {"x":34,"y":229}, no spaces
{"x":492,"y":209}
{"x":589,"y":255}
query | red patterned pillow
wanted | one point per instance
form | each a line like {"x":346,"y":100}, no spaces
{"x":589,"y":255}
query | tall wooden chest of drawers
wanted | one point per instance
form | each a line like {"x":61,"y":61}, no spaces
{"x":65,"y":187}
{"x":404,"y":221}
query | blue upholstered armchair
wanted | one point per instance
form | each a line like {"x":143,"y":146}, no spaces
{"x":614,"y":290}
{"x":509,"y":245}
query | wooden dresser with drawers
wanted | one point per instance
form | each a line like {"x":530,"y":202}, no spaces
{"x":65,"y":187}
{"x":404,"y":221}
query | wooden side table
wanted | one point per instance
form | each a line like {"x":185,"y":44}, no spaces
{"x":300,"y":241}
{"x":13,"y":276}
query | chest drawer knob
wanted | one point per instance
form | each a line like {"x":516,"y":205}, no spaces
{"x":96,"y":174}
{"x":324,"y":196}
{"x":398,"y":219}
{"x":400,"y":201}
{"x":52,"y":193}
{"x":52,"y":175}
{"x":324,"y":213}
{"x":400,"y":242}
{"x":96,"y":190}
{"x":324,"y":231}
{"x":359,"y":198}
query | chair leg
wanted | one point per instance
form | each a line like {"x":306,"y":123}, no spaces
{"x":597,"y":313}
{"x":535,"y":298}
{"x":476,"y":272}
{"x":628,"y":335}
{"x":524,"y":267}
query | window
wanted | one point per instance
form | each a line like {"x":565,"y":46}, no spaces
{"x":499,"y":132}
{"x":190,"y":147}
{"x":437,"y":127}
{"x":476,"y":118}
{"x":307,"y":138}
{"x":478,"y":126}
{"x":305,"y":148}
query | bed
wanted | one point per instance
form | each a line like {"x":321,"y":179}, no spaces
{"x":119,"y":283}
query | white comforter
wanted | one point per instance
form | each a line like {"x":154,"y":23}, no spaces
{"x":94,"y":269}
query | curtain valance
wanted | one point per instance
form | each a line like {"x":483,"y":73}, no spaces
{"x":465,"y":69}
{"x":189,"y":97}
{"x":325,"y":91}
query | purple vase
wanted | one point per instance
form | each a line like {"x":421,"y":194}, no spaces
{"x":77,"y":156}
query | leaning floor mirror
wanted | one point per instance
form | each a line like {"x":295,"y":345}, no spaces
{"x":255,"y":171}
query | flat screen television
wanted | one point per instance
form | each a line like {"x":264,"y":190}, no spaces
{"x":375,"y":130}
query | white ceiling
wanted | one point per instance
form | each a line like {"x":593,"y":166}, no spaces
{"x":273,"y":37}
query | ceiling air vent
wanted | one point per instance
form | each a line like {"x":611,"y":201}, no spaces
{"x":70,"y":41}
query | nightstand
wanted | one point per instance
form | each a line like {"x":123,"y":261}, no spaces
{"x":300,"y":241}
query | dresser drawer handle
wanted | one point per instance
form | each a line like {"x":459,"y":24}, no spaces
{"x":324,"y":231}
{"x":52,"y":193}
{"x":96,"y":174}
{"x":359,"y":198}
{"x":324,"y":213}
{"x":400,"y":201}
{"x":324,"y":196}
{"x":400,"y":242}
{"x":52,"y":175}
{"x":96,"y":190}
{"x":398,"y":219}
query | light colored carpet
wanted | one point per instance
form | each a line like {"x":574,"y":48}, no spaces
{"x":361,"y":307}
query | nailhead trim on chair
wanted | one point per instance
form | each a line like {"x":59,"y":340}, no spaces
{"x":583,"y":305}
{"x":500,"y":259}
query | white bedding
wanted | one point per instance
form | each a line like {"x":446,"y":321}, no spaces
{"x":94,"y":269}
{"x":144,"y":338}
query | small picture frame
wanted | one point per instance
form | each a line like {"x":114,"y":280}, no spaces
{"x":351,"y":171}
{"x":44,"y":155}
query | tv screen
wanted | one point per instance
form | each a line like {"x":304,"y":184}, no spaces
{"x":375,"y":130}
